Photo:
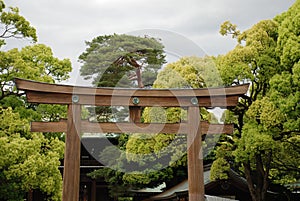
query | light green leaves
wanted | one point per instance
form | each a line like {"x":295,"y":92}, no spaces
{"x":267,"y":118}
{"x":189,"y":72}
{"x":27,"y":161}
{"x":219,"y":169}
{"x":32,"y":62}
{"x":227,"y":28}
{"x":15,"y":25}
{"x":288,"y":37}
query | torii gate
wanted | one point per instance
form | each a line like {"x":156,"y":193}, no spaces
{"x":75,"y":97}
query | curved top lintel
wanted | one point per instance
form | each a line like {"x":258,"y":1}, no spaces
{"x":29,"y":85}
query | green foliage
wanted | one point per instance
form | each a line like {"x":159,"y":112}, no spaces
{"x":189,"y":72}
{"x":52,"y":112}
{"x":288,"y":39}
{"x":146,"y":149}
{"x":254,"y":141}
{"x":219,"y":169}
{"x":255,"y":61}
{"x":286,"y":161}
{"x":227,"y":28}
{"x":265,"y":146}
{"x":35,"y":63}
{"x":147,"y":160}
{"x":164,"y":115}
{"x":265,"y":113}
{"x":27,"y":161}
{"x":11,"y":124}
{"x":120,"y":61}
{"x":113,"y":60}
{"x":14,"y":25}
{"x":285,"y":95}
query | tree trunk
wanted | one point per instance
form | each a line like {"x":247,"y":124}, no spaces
{"x":259,"y":177}
{"x":263,"y":169}
{"x":139,"y":78}
{"x":258,"y":190}
{"x":30,"y":195}
{"x":137,"y":71}
{"x":251,"y":186}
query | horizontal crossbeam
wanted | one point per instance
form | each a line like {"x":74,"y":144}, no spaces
{"x":89,"y":127}
{"x":28,"y":85}
{"x":38,"y":92}
{"x":55,"y":98}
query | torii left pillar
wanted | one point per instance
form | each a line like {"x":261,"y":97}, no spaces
{"x":72,"y":154}
{"x":195,"y":158}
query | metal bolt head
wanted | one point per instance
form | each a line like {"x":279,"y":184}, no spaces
{"x":75,"y":98}
{"x":194,"y":101}
{"x":135,"y":100}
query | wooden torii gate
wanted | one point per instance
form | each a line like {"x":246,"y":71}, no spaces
{"x":75,"y":97}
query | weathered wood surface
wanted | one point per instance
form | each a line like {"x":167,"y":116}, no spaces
{"x":135,"y":114}
{"x":71,"y":175}
{"x":38,"y":92}
{"x":57,"y":98}
{"x":28,"y":85}
{"x":89,"y":127}
{"x":195,"y":158}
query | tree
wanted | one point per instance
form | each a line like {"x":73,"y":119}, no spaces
{"x":119,"y":60}
{"x":266,"y":119}
{"x":189,"y":72}
{"x":28,"y":161}
{"x":147,"y":160}
{"x":31,"y":62}
{"x":35,"y":62}
{"x":285,"y":95}
{"x":13,"y":25}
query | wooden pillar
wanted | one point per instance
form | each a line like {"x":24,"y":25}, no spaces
{"x":94,"y":189}
{"x":195,"y":158}
{"x":135,"y":114}
{"x":71,"y":177}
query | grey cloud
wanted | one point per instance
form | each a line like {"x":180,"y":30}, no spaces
{"x":64,"y":25}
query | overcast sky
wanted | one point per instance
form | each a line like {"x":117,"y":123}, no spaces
{"x":64,"y":25}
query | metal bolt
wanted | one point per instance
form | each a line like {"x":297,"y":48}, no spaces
{"x":194,"y":101}
{"x":75,"y":98}
{"x":135,"y":100}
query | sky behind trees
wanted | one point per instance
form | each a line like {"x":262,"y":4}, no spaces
{"x":64,"y":25}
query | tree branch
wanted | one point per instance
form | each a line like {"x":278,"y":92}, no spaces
{"x":284,"y":166}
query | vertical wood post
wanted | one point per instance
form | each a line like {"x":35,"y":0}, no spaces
{"x":94,"y":189}
{"x":135,"y":113}
{"x":71,"y":177}
{"x":195,"y":158}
